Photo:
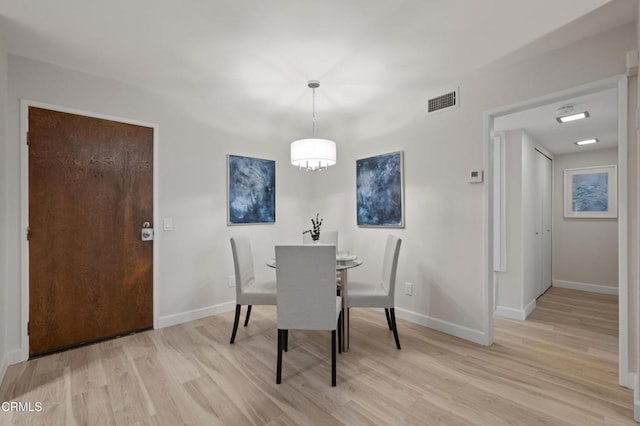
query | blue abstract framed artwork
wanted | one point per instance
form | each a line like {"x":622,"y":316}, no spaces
{"x":591,"y":192}
{"x":380,"y":191}
{"x":252,"y":190}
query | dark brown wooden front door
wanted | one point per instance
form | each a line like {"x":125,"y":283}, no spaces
{"x":90,"y":191}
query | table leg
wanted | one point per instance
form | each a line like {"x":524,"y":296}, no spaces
{"x":345,"y":305}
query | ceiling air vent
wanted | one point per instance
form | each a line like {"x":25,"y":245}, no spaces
{"x":444,"y":102}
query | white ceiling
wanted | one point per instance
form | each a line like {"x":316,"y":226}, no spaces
{"x":258,"y":54}
{"x":541,"y":123}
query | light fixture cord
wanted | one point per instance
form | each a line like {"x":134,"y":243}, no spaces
{"x":313,"y":129}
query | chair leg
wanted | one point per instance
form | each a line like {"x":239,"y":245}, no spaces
{"x":286,"y":340}
{"x":386,"y":312}
{"x":340,"y":333}
{"x":235,"y":324}
{"x":395,"y":327}
{"x":246,"y":320}
{"x":279,"y":364}
{"x":333,"y":357}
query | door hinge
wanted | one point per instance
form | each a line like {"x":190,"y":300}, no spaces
{"x":28,"y":233}
{"x":28,"y":329}
{"x":28,"y":139}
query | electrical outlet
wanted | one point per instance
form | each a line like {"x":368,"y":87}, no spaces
{"x":408,"y":289}
{"x":232,"y":281}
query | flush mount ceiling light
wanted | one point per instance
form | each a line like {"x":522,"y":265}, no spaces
{"x":313,"y":154}
{"x":566,"y":114}
{"x":587,"y":141}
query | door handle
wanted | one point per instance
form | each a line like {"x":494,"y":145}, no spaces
{"x":146,"y":234}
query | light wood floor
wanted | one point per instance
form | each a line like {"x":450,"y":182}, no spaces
{"x":558,"y":367}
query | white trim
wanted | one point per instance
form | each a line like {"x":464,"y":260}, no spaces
{"x":157,"y":236}
{"x":592,"y":288}
{"x":623,"y":236}
{"x":14,"y":357}
{"x":513,"y":313}
{"x":24,"y":222}
{"x":488,"y":281}
{"x":619,"y":82}
{"x":24,"y":212}
{"x":9,"y":358}
{"x":182,"y":317}
{"x":499,"y":203}
{"x":456,"y":330}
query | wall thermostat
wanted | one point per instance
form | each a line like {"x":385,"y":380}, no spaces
{"x":475,"y":176}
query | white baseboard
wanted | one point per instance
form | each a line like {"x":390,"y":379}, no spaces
{"x":183,"y":317}
{"x":529,"y":308}
{"x":10,"y":358}
{"x":460,"y":331}
{"x":16,"y":356}
{"x":593,"y":288}
{"x":627,"y":379}
{"x":513,"y":313}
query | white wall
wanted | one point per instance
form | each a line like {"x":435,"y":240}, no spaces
{"x":3,"y":206}
{"x":530,"y":204}
{"x":634,"y":311}
{"x":585,"y":251}
{"x":442,"y":250}
{"x":195,"y":258}
{"x":509,"y":283}
{"x":516,"y":287}
{"x":632,"y":216}
{"x":443,"y":243}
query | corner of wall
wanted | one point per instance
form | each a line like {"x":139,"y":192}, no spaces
{"x":4,"y":355}
{"x":635,"y":304}
{"x":529,"y":308}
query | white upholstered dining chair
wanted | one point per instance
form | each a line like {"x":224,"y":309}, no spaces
{"x":248,"y":291}
{"x":326,"y":237}
{"x":380,"y":294}
{"x":306,"y":295}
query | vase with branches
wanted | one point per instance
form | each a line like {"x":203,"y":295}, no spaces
{"x":315,"y":230}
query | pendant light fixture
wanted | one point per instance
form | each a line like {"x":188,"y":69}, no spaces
{"x":313,"y":154}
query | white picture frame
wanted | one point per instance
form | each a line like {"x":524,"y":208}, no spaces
{"x":591,"y":192}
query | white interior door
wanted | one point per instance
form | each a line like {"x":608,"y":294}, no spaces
{"x":547,"y":197}
{"x":538,"y":176}
{"x":542,"y":221}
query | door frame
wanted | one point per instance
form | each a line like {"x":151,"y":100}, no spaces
{"x":24,"y":209}
{"x":620,"y":82}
